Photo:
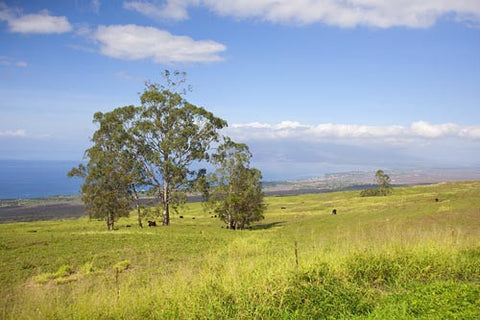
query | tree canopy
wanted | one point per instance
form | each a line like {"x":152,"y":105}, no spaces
{"x":156,"y":144}
{"x":235,"y":189}
{"x":110,"y":172}
{"x":382,"y":180}
{"x":172,"y":134}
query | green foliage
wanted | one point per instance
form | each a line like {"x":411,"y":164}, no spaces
{"x":374,"y":192}
{"x":110,"y":171}
{"x":384,"y":186}
{"x":172,"y":134}
{"x":154,"y":145}
{"x":444,"y":299}
{"x":382,"y":179}
{"x":122,"y":266}
{"x":236,"y":190}
{"x":60,"y":276}
{"x":321,"y":293}
{"x":88,"y":268}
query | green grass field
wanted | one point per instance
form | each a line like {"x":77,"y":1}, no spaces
{"x":404,"y":256}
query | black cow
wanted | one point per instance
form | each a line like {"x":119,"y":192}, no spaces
{"x":152,"y":223}
{"x":334,"y":211}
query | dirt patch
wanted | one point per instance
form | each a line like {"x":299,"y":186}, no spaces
{"x":55,"y":211}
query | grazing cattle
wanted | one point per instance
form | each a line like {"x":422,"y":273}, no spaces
{"x":152,"y":223}
{"x":193,"y":218}
{"x":215,"y":216}
{"x":283,"y":208}
{"x":436,"y":200}
{"x":128,"y":226}
{"x":334,"y":211}
{"x":181,"y":217}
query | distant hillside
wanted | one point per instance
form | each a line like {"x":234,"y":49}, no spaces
{"x":361,"y":179}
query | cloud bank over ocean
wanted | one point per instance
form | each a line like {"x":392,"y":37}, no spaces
{"x":302,"y":150}
{"x":393,"y":133}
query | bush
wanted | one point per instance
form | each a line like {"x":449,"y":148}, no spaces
{"x":375,"y":192}
{"x":121,"y":266}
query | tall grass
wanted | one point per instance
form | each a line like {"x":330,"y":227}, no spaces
{"x":403,"y":256}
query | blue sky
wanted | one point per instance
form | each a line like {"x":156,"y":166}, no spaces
{"x":312,"y":86}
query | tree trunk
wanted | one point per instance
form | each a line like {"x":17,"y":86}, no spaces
{"x":137,"y":205}
{"x":110,"y":222}
{"x":230,"y":192}
{"x":229,"y":220}
{"x":166,"y":208}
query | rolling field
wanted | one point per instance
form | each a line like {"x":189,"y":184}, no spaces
{"x":405,"y":256}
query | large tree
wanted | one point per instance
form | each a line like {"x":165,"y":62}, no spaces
{"x":234,"y":191}
{"x":172,"y":135}
{"x":158,"y":144}
{"x":111,"y":172}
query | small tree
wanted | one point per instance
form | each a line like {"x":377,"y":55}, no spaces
{"x":110,"y":171}
{"x":383,"y":182}
{"x":384,"y":186}
{"x":235,"y":192}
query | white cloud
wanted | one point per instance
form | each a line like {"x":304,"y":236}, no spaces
{"x":6,"y":13}
{"x":345,"y":13}
{"x":470,"y":132}
{"x":426,"y":130}
{"x":132,"y":42}
{"x":96,"y":6}
{"x":6,"y":61}
{"x":172,"y":9}
{"x":13,"y":133}
{"x":254,"y":125}
{"x":352,"y":133}
{"x":290,"y":125}
{"x":356,"y":131}
{"x":37,"y":23}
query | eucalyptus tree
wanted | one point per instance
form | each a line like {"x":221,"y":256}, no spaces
{"x":234,"y":189}
{"x":383,"y":181}
{"x":111,"y":172}
{"x":172,"y":135}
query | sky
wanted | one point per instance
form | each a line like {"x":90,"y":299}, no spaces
{"x":312,"y":86}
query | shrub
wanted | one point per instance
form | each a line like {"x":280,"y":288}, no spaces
{"x":375,"y":192}
{"x":121,"y":266}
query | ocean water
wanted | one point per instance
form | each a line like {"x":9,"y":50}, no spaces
{"x":21,"y":179}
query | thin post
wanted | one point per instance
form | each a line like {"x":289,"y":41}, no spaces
{"x":296,"y":253}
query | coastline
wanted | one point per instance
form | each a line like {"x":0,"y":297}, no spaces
{"x":70,"y":206}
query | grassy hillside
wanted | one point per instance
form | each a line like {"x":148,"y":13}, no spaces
{"x":403,"y":256}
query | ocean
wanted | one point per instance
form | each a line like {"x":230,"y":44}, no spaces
{"x":24,"y":179}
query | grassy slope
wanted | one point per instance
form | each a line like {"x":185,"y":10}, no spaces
{"x":397,"y":257}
